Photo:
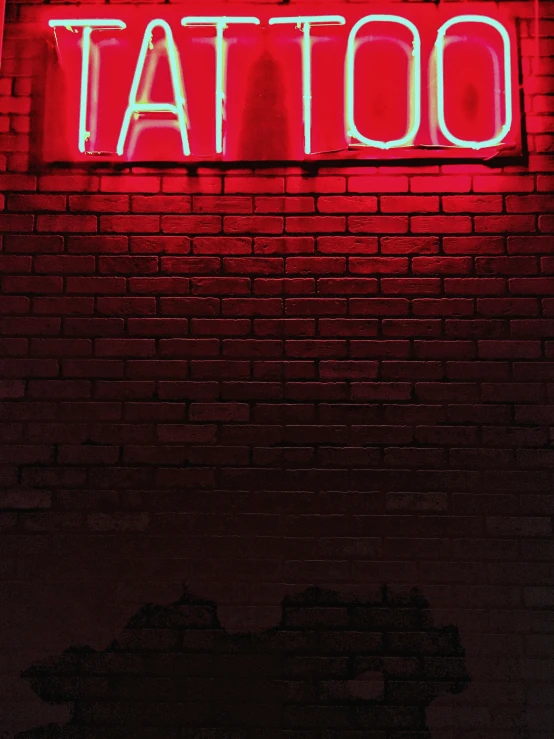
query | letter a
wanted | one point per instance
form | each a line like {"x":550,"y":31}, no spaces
{"x":176,"y":108}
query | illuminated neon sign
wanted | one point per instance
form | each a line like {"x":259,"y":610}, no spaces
{"x":408,"y":83}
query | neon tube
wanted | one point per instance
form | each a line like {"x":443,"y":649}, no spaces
{"x":304,"y":23}
{"x":415,"y":86}
{"x":70,"y":23}
{"x":88,"y":27}
{"x":220,"y":23}
{"x":177,"y":108}
{"x":439,"y":45}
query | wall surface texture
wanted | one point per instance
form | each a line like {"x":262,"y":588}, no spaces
{"x":333,"y":385}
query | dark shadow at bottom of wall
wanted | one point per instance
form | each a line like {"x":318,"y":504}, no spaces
{"x":335,"y":666}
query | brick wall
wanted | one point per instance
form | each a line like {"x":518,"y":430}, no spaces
{"x":256,"y":381}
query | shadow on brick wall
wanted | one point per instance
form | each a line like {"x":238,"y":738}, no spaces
{"x":334,"y":667}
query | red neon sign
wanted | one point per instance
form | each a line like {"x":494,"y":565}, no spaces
{"x":359,"y":83}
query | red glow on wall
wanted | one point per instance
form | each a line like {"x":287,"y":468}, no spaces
{"x":265,"y":84}
{"x":2,"y":14}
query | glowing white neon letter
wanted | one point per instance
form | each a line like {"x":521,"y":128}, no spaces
{"x":177,"y":107}
{"x":304,"y":24}
{"x":88,"y":26}
{"x":415,"y":83}
{"x":220,"y":22}
{"x":508,"y":113}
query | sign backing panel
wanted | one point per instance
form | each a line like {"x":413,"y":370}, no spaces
{"x":189,"y":84}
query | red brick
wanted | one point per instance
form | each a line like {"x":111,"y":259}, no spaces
{"x":93,"y":327}
{"x":222,"y":204}
{"x":92,"y":368}
{"x":129,"y":183}
{"x":378,"y":224}
{"x":254,"y":185}
{"x":67,"y":223}
{"x":220,"y":285}
{"x":315,"y":224}
{"x":252,"y":306}
{"x":157,"y":326}
{"x":410,"y":245}
{"x":508,"y":306}
{"x":157,"y":369}
{"x":474,"y":286}
{"x":512,"y":392}
{"x":253,"y":224}
{"x":158,"y":285}
{"x":350,"y":327}
{"x":192,"y":184}
{"x":440,"y":224}
{"x":159,"y":244}
{"x":32,"y":244}
{"x":531,"y":286}
{"x":96,"y":285}
{"x":250,"y":266}
{"x":97,"y":244}
{"x":189,"y":306}
{"x":14,"y":264}
{"x":377,"y":184}
{"x":34,"y":203}
{"x":506,"y":266}
{"x":441,"y":265}
{"x":130,"y":224}
{"x":187,"y":348}
{"x":67,"y":182}
{"x":409,"y":204}
{"x":458,"y":183}
{"x":411,"y":327}
{"x":347,"y":286}
{"x":127,"y":265}
{"x":378,"y":265}
{"x":503,"y":183}
{"x":473,"y":245}
{"x":99,"y":203}
{"x":472,"y":204}
{"x":546,"y":223}
{"x":315,"y":265}
{"x":529,"y":203}
{"x":504,"y":224}
{"x":284,"y":245}
{"x":10,"y":223}
{"x":55,"y":347}
{"x":161,"y":204}
{"x":473,"y":370}
{"x":126,"y":306}
{"x":381,"y":391}
{"x":124,"y":347}
{"x":273,"y":204}
{"x":63,"y":306}
{"x":321,"y":184}
{"x":284,"y":327}
{"x":64,"y":264}
{"x":29,"y":326}
{"x":411,"y":286}
{"x":509,"y":349}
{"x":315,"y":306}
{"x":444,"y":349}
{"x":346,"y":204}
{"x":17,"y":182}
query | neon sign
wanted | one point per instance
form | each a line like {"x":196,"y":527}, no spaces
{"x":414,"y":105}
{"x":413,"y":83}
